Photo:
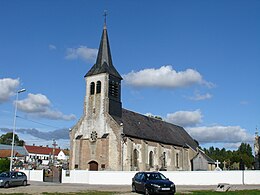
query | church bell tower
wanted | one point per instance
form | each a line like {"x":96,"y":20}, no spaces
{"x":103,"y":88}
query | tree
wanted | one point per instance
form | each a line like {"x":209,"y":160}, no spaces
{"x":8,"y":137}
{"x":245,"y":148}
{"x":4,"y":165}
{"x":245,"y":153}
{"x":242,"y":154}
{"x":156,"y":117}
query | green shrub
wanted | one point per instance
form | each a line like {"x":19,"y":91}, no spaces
{"x":4,"y":164}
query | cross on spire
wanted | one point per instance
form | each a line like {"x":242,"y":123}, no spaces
{"x":105,"y":17}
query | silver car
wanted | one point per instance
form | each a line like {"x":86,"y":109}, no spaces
{"x":12,"y":178}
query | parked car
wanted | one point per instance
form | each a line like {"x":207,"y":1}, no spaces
{"x":12,"y":178}
{"x":152,"y":183}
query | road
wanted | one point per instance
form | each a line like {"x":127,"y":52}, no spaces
{"x":37,"y":188}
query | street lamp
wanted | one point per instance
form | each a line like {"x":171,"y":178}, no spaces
{"x":15,"y":110}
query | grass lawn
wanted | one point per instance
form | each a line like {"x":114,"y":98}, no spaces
{"x":72,"y":193}
{"x":81,"y":193}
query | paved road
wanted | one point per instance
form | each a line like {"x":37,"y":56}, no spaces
{"x":34,"y":188}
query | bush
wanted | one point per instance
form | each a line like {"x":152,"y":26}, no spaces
{"x":4,"y":165}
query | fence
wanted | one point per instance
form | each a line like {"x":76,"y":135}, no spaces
{"x":34,"y":175}
{"x":178,"y":177}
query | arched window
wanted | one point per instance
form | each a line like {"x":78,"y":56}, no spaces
{"x":177,"y":160}
{"x":98,"y":87}
{"x":92,"y":88}
{"x":164,"y":160}
{"x":135,"y":158}
{"x":151,"y":159}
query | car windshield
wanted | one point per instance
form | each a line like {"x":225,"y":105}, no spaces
{"x":155,"y":176}
{"x":5,"y":174}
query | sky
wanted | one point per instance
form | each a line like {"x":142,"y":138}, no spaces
{"x":193,"y":63}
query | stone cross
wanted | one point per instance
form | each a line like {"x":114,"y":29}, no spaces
{"x":217,"y":168}
{"x":217,"y":163}
{"x":224,"y":163}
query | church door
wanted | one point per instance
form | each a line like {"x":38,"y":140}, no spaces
{"x":93,"y":166}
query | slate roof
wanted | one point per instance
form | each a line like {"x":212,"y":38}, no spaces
{"x":104,"y":62}
{"x":143,"y":127}
{"x":20,"y":149}
{"x":210,"y":160}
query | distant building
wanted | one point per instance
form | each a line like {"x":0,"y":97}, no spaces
{"x":45,"y":155}
{"x":109,"y":137}
{"x":202,"y":162}
{"x":7,"y":154}
{"x":20,"y":149}
{"x":19,"y":154}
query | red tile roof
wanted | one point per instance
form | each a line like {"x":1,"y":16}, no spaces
{"x":42,"y":150}
{"x":7,"y":153}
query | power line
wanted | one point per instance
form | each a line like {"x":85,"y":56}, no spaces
{"x":37,"y":122}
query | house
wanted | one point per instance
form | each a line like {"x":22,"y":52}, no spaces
{"x":20,"y":149}
{"x":45,"y":155}
{"x":202,"y":162}
{"x":19,"y":154}
{"x":7,"y":154}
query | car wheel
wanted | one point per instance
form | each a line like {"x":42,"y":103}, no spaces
{"x":6,"y":185}
{"x":133,"y":188}
{"x":147,"y":192}
{"x":24,"y":183}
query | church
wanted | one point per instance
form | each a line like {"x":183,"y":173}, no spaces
{"x":109,"y":137}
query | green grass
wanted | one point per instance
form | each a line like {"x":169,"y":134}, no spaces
{"x":15,"y":193}
{"x":72,"y":193}
{"x":81,"y":193}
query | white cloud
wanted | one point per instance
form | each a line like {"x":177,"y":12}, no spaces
{"x":34,"y":103}
{"x":165,"y":76}
{"x":52,"y":47}
{"x":185,"y":118}
{"x":244,"y":102}
{"x":40,"y":106}
{"x":233,"y":146}
{"x":220,"y":134}
{"x":199,"y":97}
{"x":82,"y":52}
{"x":7,"y":88}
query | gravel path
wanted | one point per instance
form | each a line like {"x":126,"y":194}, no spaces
{"x":34,"y":188}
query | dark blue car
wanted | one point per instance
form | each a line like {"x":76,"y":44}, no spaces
{"x":152,"y":183}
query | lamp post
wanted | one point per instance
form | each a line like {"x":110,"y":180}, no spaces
{"x":15,"y":110}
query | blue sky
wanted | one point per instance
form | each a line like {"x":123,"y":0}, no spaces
{"x":194,"y":63}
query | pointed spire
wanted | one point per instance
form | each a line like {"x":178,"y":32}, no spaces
{"x":104,"y":54}
{"x":105,"y":19}
{"x":104,"y":62}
